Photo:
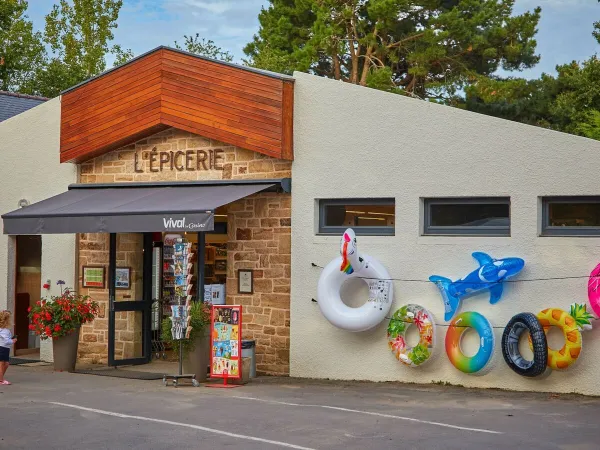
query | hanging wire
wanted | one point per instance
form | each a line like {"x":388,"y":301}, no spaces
{"x":456,"y":282}
{"x":409,"y":280}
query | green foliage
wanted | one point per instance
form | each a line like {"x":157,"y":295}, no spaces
{"x":202,"y":47}
{"x":21,"y":49}
{"x":419,"y":354}
{"x":569,"y":102}
{"x":398,"y":323}
{"x":200,"y":319}
{"x":429,"y":48}
{"x":78,"y":32}
{"x":581,"y":315}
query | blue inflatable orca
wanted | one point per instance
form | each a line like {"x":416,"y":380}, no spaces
{"x":490,"y":275}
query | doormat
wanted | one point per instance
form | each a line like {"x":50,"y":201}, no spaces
{"x":116,"y":373}
{"x":19,"y":361}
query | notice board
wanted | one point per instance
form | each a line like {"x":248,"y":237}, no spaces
{"x":226,"y":341}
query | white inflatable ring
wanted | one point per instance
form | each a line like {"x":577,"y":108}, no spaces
{"x":353,"y":265}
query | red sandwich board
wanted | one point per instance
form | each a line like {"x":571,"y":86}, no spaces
{"x":226,"y":343}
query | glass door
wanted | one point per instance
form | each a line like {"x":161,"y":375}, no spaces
{"x":130,"y":285}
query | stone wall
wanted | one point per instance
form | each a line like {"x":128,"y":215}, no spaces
{"x":94,"y":251}
{"x":259,"y":234}
{"x":259,"y":238}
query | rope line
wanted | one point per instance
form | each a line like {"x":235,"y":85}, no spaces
{"x":468,"y":282}
{"x":391,"y":319}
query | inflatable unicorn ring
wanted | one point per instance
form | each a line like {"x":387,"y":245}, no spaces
{"x":353,"y":265}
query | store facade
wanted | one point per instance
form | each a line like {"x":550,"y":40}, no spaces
{"x":173,"y":146}
{"x":424,"y":186}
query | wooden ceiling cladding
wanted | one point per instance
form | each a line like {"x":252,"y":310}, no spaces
{"x":168,"y":88}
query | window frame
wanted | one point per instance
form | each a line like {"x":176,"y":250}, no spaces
{"x":493,"y":231}
{"x":324,"y":230}
{"x":548,"y":230}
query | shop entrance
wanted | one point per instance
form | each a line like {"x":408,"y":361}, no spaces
{"x":130,"y":298}
{"x":27,"y":292}
{"x":144,"y":278}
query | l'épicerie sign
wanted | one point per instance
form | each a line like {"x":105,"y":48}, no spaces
{"x":180,"y":160}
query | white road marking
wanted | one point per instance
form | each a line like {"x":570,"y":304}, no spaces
{"x":369,"y":413}
{"x":186,"y":425}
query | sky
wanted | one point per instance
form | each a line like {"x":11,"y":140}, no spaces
{"x":564,"y":31}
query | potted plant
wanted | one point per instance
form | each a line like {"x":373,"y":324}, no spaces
{"x":60,"y":318}
{"x":196,"y":349}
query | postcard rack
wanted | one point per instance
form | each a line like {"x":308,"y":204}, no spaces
{"x":182,"y":269}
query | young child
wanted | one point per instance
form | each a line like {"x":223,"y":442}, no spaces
{"x":6,"y":342}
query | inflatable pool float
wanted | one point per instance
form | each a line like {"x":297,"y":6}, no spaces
{"x":510,"y":345}
{"x":457,"y":329}
{"x":349,"y":265}
{"x":400,"y":322}
{"x":594,"y":290}
{"x":571,"y":323}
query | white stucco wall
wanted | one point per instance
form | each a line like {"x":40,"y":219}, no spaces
{"x":30,"y":169}
{"x":357,"y":142}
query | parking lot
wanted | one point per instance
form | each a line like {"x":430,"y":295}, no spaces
{"x":60,"y":410}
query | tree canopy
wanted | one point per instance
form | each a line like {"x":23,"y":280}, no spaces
{"x":202,"y":47}
{"x":569,"y":101}
{"x":79,"y":33}
{"x":21,"y":49}
{"x":428,"y":48}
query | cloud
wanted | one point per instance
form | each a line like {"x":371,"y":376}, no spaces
{"x":214,"y":6}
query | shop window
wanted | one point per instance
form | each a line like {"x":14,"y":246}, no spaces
{"x":571,"y":216}
{"x":365,"y":216}
{"x":467,"y":216}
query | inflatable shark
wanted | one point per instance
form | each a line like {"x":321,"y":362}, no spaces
{"x":490,"y":275}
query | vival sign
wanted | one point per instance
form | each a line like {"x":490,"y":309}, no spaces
{"x":174,"y":224}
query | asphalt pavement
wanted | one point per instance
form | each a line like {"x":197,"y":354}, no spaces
{"x":49,"y":410}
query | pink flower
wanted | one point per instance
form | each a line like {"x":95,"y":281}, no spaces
{"x":398,"y":344}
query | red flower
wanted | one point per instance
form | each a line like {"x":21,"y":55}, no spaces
{"x":32,"y":327}
{"x":48,"y":331}
{"x":57,"y":327}
{"x":29,"y":309}
{"x":419,"y":319}
{"x":48,"y":316}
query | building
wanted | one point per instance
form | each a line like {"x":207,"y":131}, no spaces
{"x":147,"y":140}
{"x":362,"y":149}
{"x":12,"y":103}
{"x":172,"y":143}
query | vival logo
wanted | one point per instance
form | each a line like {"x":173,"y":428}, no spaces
{"x":174,"y":223}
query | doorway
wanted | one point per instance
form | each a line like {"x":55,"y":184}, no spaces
{"x":27,"y":292}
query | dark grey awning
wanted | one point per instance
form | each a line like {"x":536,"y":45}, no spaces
{"x":130,"y":208}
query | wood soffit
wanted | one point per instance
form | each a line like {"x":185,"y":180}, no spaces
{"x":164,"y":88}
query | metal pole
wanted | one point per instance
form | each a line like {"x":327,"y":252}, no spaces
{"x":180,"y":357}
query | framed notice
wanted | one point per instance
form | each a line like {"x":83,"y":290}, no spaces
{"x":245,"y":281}
{"x":226,"y":341}
{"x":93,"y":277}
{"x":122,"y":277}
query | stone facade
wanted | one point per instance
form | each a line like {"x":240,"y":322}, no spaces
{"x":259,"y":238}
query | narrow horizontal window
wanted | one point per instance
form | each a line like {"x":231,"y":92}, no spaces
{"x":467,"y":216}
{"x":571,"y":216}
{"x":366,"y":216}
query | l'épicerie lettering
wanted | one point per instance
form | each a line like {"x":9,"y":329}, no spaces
{"x":188,"y":160}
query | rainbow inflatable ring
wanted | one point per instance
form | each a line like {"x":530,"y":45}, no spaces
{"x":457,"y":329}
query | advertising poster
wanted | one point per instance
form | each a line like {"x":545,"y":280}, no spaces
{"x":225,"y":341}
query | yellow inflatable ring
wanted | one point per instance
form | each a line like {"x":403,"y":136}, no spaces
{"x":563,"y":358}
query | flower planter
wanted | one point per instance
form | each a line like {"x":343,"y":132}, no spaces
{"x":65,"y":351}
{"x":197,"y":361}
